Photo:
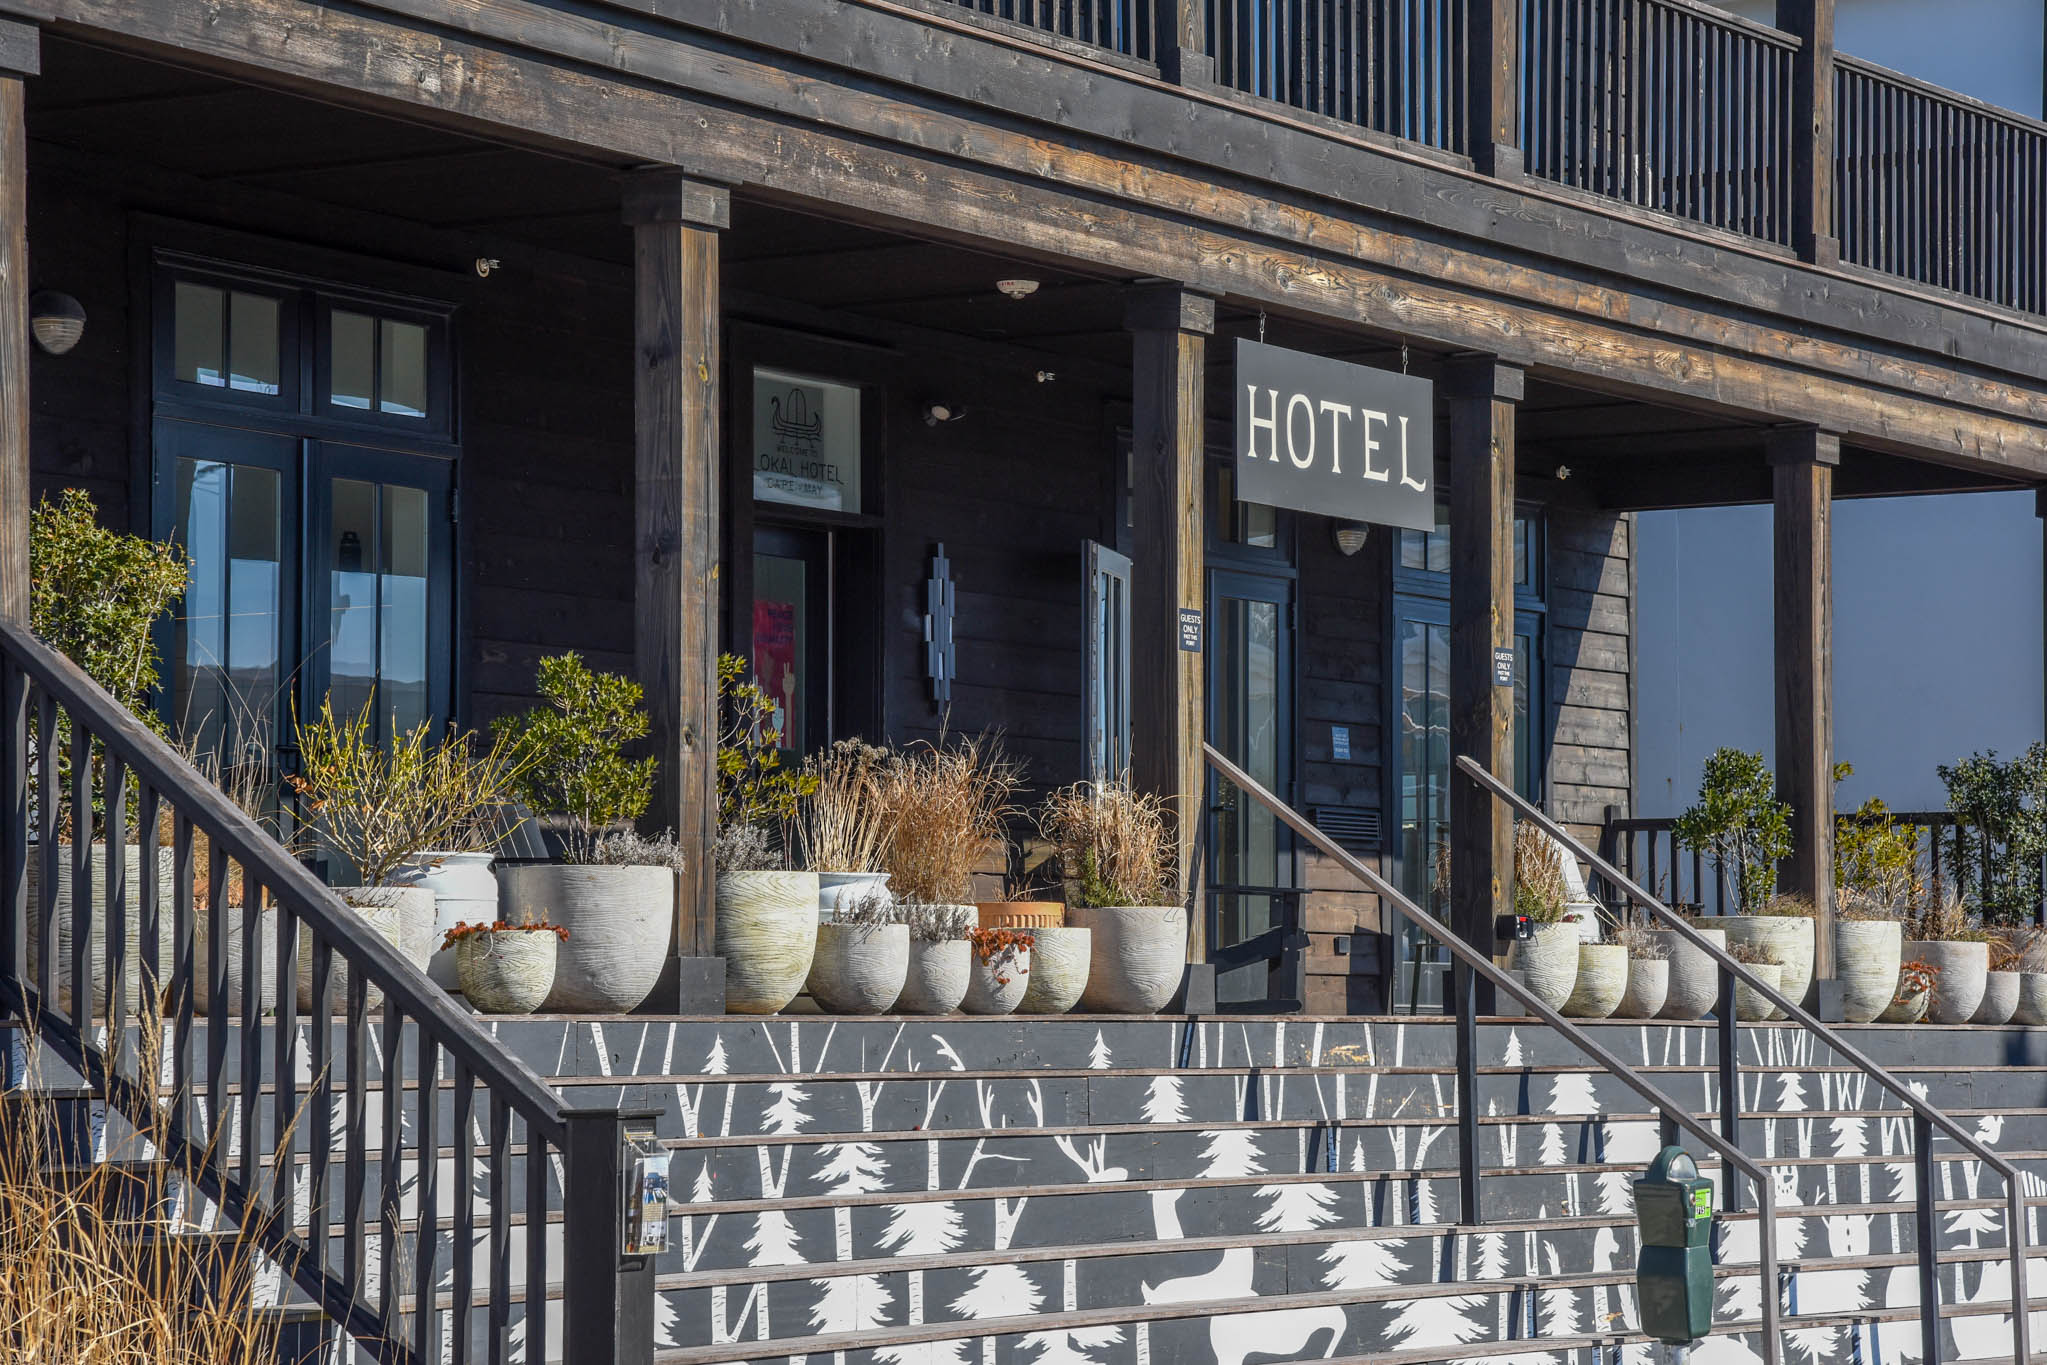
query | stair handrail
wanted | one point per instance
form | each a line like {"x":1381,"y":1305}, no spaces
{"x":1673,"y":1116}
{"x":1927,"y":1117}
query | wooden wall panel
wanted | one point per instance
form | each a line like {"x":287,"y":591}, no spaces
{"x":1589,"y":657}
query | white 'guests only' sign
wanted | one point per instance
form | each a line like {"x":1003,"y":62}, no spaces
{"x":1322,"y":435}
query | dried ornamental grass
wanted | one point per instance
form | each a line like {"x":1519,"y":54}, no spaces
{"x":1753,"y":954}
{"x":1541,"y":891}
{"x":1943,"y":919}
{"x":1787,"y":906}
{"x":937,"y":923}
{"x":1115,"y":844}
{"x":630,"y":848}
{"x":842,"y":824}
{"x":944,"y":809}
{"x":1642,"y":944}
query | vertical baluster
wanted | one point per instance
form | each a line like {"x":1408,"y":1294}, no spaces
{"x":250,"y":1024}
{"x":284,"y":1034}
{"x":355,"y":1145}
{"x":1652,"y":864}
{"x":218,"y":1125}
{"x":462,"y":1237}
{"x":183,"y":967}
{"x":48,"y":797}
{"x":114,"y":792}
{"x":14,"y":774}
{"x":536,"y":1245}
{"x":82,"y":914}
{"x":499,"y":1205}
{"x":426,"y":1321}
{"x":390,"y":1170}
{"x":148,"y":912}
{"x":320,"y":1084}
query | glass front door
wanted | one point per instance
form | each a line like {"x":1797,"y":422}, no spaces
{"x":792,"y":655}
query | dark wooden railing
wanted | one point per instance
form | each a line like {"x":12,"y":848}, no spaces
{"x":1123,"y":26}
{"x":341,"y":1173}
{"x":1939,"y":188}
{"x":1665,"y":104}
{"x":1396,"y":66}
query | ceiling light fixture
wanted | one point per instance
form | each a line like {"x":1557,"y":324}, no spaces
{"x":1016,"y":289}
{"x":935,"y":413}
{"x":56,"y":320}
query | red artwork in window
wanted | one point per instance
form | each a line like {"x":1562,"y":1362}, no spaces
{"x":774,"y":661}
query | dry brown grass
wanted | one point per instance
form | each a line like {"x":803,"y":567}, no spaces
{"x":842,"y":825}
{"x":1540,"y":889}
{"x":943,"y":811}
{"x":1943,"y":919}
{"x":1115,"y":844}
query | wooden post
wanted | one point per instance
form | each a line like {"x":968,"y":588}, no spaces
{"x":19,"y":58}
{"x":1182,"y":38}
{"x":1802,"y":466}
{"x":1813,"y":232}
{"x":676,"y":375}
{"x":1482,"y":395}
{"x":1170,"y":328}
{"x":1492,"y":55}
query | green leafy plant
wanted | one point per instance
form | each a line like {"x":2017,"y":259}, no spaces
{"x":571,"y":751}
{"x":1739,"y":823}
{"x":754,"y":790}
{"x":97,"y":594}
{"x":1876,"y":860}
{"x":2001,"y":811}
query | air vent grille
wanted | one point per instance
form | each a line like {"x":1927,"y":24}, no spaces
{"x":1354,"y":828}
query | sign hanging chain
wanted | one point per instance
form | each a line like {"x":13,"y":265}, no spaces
{"x":1261,"y":327}
{"x":1403,"y":355}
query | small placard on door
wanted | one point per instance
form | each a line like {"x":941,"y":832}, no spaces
{"x":1190,"y":629}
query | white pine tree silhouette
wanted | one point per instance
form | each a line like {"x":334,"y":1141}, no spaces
{"x":785,"y":1114}
{"x":1163,"y":1102}
{"x":1231,"y":1152}
{"x":1098,"y":1059}
{"x":851,"y":1303}
{"x":852,"y":1168}
{"x":1296,"y":1208}
{"x":1364,"y":1264}
{"x":1070,"y":1347}
{"x":715,"y":1064}
{"x":997,"y":1291}
{"x":1435,"y":1320}
{"x":774,"y":1240}
{"x":1556,"y":1310}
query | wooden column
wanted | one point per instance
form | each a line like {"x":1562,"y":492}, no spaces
{"x":1493,"y":60}
{"x":1170,"y":328}
{"x":1482,"y":395}
{"x":1802,"y":463}
{"x":1813,"y":233}
{"x":676,"y":374}
{"x":19,"y":58}
{"x":1182,"y":39}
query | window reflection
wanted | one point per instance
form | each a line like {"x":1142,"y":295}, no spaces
{"x":352,"y":360}
{"x":199,"y":333}
{"x":226,"y":647}
{"x":403,"y":390}
{"x":252,"y":343}
{"x":379,"y":556}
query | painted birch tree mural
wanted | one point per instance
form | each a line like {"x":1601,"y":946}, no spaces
{"x":923,"y":1229}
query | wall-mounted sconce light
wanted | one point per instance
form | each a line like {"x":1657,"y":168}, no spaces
{"x":56,"y":320}
{"x":934,"y":413}
{"x":1351,"y":536}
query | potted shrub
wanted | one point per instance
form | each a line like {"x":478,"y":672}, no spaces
{"x":1548,"y":962}
{"x":477,"y":784}
{"x":1916,"y":983}
{"x":1739,"y":823}
{"x":2001,"y":982}
{"x":1601,"y":982}
{"x":1869,"y":951}
{"x":2001,"y":826}
{"x":1784,"y":926}
{"x":1751,"y":1006}
{"x":940,"y":958}
{"x":2032,"y":967}
{"x":1694,"y":974}
{"x":1648,"y":975}
{"x":1876,"y":879}
{"x":242,"y":775}
{"x":96,"y":595}
{"x":505,"y":968}
{"x":1001,"y":970}
{"x":1958,"y":954}
{"x":1121,"y":865}
{"x":862,"y":961}
{"x":571,"y":766}
{"x":842,"y":827}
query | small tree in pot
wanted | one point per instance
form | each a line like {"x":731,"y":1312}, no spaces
{"x":1740,"y":824}
{"x":2001,"y":826}
{"x":1876,"y":881}
{"x":1121,"y":862}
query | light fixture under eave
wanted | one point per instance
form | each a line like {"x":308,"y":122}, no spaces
{"x":57,"y":321}
{"x":1016,"y":289}
{"x":1351,"y":536}
{"x":935,"y":413}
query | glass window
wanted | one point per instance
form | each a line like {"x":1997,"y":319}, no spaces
{"x":806,"y":441}
{"x":1429,"y":551}
{"x":402,"y":606}
{"x":1250,"y":524}
{"x":225,"y":652}
{"x":781,"y":635}
{"x":402,"y":391}
{"x":378,"y":566}
{"x":352,"y":596}
{"x":352,"y":361}
{"x":253,"y":355}
{"x":199,"y":325}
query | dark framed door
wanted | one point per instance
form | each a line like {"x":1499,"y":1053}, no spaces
{"x":792,"y":631}
{"x":1253,"y":903}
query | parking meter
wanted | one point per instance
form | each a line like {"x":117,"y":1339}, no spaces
{"x":1674,"y":1223}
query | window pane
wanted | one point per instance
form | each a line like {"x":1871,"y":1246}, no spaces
{"x":403,"y":627}
{"x":1521,"y":550}
{"x":404,"y":386}
{"x":781,"y":631}
{"x":198,"y":319}
{"x":225,"y":662}
{"x":806,"y":441}
{"x":252,"y":343}
{"x":352,"y":596}
{"x":353,"y":360}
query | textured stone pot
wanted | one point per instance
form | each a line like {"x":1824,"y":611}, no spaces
{"x":1648,"y":988}
{"x":937,"y":979}
{"x":1059,"y":967}
{"x":2032,"y":1002}
{"x":1601,"y":982}
{"x":96,"y":941}
{"x":997,"y":988}
{"x":1694,"y":976}
{"x":859,"y":968}
{"x":415,"y":907}
{"x":1907,"y":1009}
{"x":465,"y":892}
{"x":2000,"y":999}
{"x":844,"y":890}
{"x":508,"y":972}
{"x":1962,"y":975}
{"x":1549,"y":962}
{"x":1751,"y":1006}
{"x":620,"y":922}
{"x":767,"y":934}
{"x":385,"y":910}
{"x":1786,"y":938}
{"x":1033,"y":915}
{"x":266,"y":962}
{"x":1137,"y":958}
{"x":1867,"y":953}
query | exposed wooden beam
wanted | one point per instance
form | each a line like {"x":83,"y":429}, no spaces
{"x":20,"y":56}
{"x":676,"y":224}
{"x":1170,"y":327}
{"x":1802,"y":462}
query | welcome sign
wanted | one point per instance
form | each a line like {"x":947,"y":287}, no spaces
{"x":1322,"y":435}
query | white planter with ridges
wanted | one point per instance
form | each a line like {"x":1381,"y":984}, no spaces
{"x":844,"y":890}
{"x":2032,"y":1005}
{"x":767,"y":934}
{"x":133,"y":858}
{"x":1137,"y":957}
{"x":266,"y":962}
{"x":1648,"y":988}
{"x":2000,"y":999}
{"x":1059,"y":969}
{"x":403,"y":915}
{"x":1867,"y":955}
{"x":937,"y":979}
{"x":1751,"y":1006}
{"x":1548,"y":962}
{"x":859,"y":968}
{"x":1788,"y":939}
{"x":998,"y":987}
{"x":1694,"y":975}
{"x":621,"y":921}
{"x":1961,"y":975}
{"x":465,"y":892}
{"x":1601,"y":982}
{"x":507,"y":972}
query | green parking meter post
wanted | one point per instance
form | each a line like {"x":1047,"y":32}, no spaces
{"x":1674,"y":1223}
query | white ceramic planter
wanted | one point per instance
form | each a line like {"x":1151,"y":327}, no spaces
{"x":266,"y":962}
{"x":1648,"y":988}
{"x":767,"y":934}
{"x":2032,"y":1003}
{"x":859,"y":968}
{"x":1694,"y":976}
{"x":415,"y":909}
{"x":1962,"y":975}
{"x":997,"y":988}
{"x":1907,"y":1009}
{"x":384,"y":909}
{"x":1867,"y":954}
{"x":843,"y":890}
{"x":1786,"y":938}
{"x":1549,"y":962}
{"x":1751,"y":1006}
{"x":1601,"y":982}
{"x":2000,"y":999}
{"x":508,"y":972}
{"x":621,"y":921}
{"x":937,"y":979}
{"x":1137,"y":959}
{"x":1059,"y":968}
{"x":96,"y":941}
{"x":465,"y":892}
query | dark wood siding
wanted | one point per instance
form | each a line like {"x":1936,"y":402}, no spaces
{"x":1591,"y":655}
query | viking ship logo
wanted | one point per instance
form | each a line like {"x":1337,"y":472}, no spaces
{"x":798,"y":423}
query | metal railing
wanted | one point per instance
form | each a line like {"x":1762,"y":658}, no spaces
{"x":1926,"y":1119}
{"x":1472,"y":966}
{"x":294,"y":1169}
